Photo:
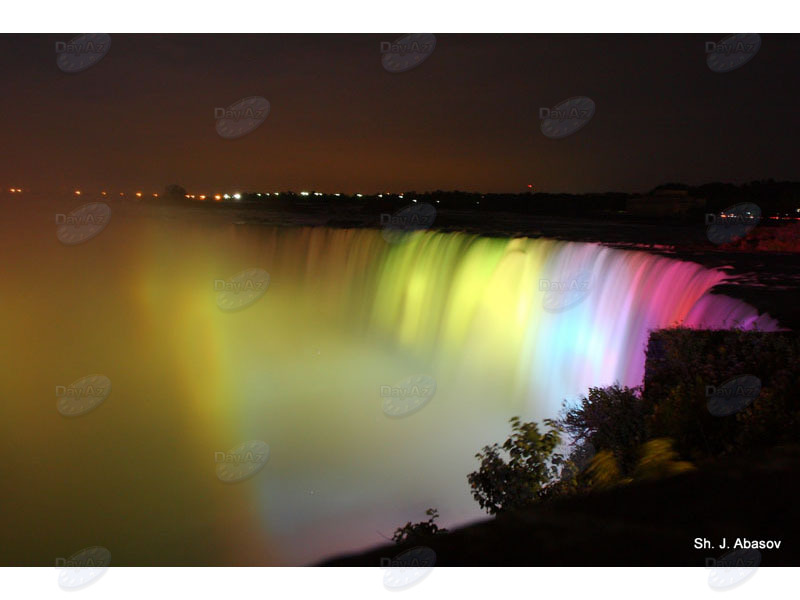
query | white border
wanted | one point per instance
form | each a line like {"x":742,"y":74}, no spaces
{"x":408,"y":16}
{"x":355,"y":583}
{"x":504,"y":16}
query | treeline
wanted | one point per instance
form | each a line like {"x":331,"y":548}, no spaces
{"x":773,"y":197}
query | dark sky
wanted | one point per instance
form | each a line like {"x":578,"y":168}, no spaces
{"x":467,"y":118}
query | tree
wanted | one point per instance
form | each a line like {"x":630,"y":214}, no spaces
{"x":419,"y":531}
{"x":517,"y":473}
{"x":175,"y":193}
{"x":611,"y":418}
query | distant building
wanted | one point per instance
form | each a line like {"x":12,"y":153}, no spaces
{"x":664,"y":203}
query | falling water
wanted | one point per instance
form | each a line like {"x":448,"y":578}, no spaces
{"x":501,"y":326}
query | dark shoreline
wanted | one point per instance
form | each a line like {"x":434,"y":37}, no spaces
{"x":645,"y":524}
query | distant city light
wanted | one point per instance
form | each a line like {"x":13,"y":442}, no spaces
{"x":340,"y":195}
{"x":77,"y":192}
{"x":414,"y":200}
{"x":359,"y":195}
{"x":155,"y":195}
{"x":138,"y":194}
{"x":202,"y":196}
{"x":401,"y":195}
{"x":226,"y":196}
{"x":304,"y":193}
{"x":259,"y":195}
{"x":217,"y":197}
{"x":103,"y":193}
{"x":237,"y":196}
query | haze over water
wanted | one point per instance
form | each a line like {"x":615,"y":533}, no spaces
{"x":301,"y":368}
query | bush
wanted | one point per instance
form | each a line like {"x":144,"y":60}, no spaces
{"x":657,"y":459}
{"x":418,"y":532}
{"x":683,"y":363}
{"x":611,"y":418}
{"x":517,"y":473}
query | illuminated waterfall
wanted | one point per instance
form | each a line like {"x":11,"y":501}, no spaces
{"x":503,"y":326}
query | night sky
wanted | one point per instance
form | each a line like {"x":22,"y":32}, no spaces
{"x":467,"y":118}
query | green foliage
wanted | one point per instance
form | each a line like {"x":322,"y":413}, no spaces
{"x":419,"y":532}
{"x":657,"y":460}
{"x":603,"y":472}
{"x":517,"y":473}
{"x":682,"y":363}
{"x":611,"y":418}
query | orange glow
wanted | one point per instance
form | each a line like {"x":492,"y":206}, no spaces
{"x":202,"y":197}
{"x":217,"y":197}
{"x":138,"y":194}
{"x":77,"y":192}
{"x":103,"y":193}
{"x":155,"y":195}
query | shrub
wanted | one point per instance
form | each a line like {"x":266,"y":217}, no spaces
{"x":415,"y":532}
{"x":517,"y":473}
{"x":611,"y":418}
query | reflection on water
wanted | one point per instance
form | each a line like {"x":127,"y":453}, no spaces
{"x":453,"y":332}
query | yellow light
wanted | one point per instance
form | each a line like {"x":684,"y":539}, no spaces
{"x":103,"y":193}
{"x":217,"y":197}
{"x":155,"y":195}
{"x":77,"y":192}
{"x":202,"y":197}
{"x":138,"y":194}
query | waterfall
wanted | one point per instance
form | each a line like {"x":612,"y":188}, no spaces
{"x":366,"y":370}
